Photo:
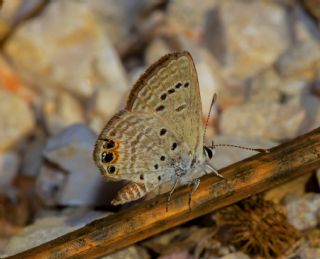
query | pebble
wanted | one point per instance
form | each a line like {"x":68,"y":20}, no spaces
{"x":16,"y":119}
{"x":72,"y":52}
{"x":32,"y":158}
{"x":49,"y":185}
{"x":9,"y":164}
{"x":299,"y":60}
{"x":49,"y":228}
{"x":179,"y":16}
{"x":61,"y":111}
{"x":264,"y":119}
{"x":303,"y":212}
{"x":71,"y":150}
{"x":225,"y":156}
{"x":242,"y":34}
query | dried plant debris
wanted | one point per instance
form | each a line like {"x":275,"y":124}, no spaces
{"x":195,"y":241}
{"x":257,"y":227}
{"x":313,"y":237}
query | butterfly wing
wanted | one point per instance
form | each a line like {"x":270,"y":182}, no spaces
{"x":136,"y":146}
{"x":170,"y":89}
{"x":160,"y":126}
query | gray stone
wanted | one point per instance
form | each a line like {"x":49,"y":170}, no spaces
{"x":49,"y":228}
{"x":263,"y":119}
{"x":72,"y":52}
{"x":32,"y":156}
{"x":16,"y":119}
{"x":242,"y":35}
{"x":304,"y":212}
{"x":225,"y":156}
{"x":71,"y":150}
{"x":9,"y":163}
{"x":120,"y":17}
{"x":50,"y":184}
{"x":301,"y":58}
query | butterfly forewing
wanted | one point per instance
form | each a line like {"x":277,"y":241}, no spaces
{"x":169,"y":89}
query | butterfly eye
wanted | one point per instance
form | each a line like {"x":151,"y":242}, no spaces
{"x":208,"y":152}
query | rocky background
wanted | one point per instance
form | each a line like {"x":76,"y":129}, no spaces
{"x":67,"y":66}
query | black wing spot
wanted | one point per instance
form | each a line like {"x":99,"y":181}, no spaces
{"x":174,"y":146}
{"x":159,"y":178}
{"x":162,"y":158}
{"x":162,"y":132}
{"x":171,"y":91}
{"x":141,"y":177}
{"x":111,"y":169}
{"x":107,"y":157}
{"x":160,"y":108}
{"x":163,"y":97}
{"x":178,"y":85}
{"x":156,"y":166}
{"x":109,"y":144}
{"x":186,"y":84}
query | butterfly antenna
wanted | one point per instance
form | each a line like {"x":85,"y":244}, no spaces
{"x":214,"y":98}
{"x":261,"y":150}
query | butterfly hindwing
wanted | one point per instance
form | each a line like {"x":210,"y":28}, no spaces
{"x":136,"y":146}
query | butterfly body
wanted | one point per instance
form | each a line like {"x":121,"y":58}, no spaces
{"x":158,"y":137}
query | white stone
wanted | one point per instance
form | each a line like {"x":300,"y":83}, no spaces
{"x":16,"y":121}
{"x":72,"y":52}
{"x":263,"y":119}
{"x":49,"y":228}
{"x":247,"y":36}
{"x":303,"y":212}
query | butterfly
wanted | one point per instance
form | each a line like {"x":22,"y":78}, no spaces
{"x":159,"y":137}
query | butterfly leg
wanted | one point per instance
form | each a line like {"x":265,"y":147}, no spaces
{"x":171,"y":192}
{"x":131,"y":192}
{"x":195,"y":184}
{"x":215,"y":171}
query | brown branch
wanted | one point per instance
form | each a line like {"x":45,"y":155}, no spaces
{"x":245,"y":178}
